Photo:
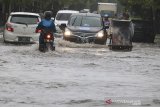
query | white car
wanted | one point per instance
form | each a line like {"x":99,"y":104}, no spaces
{"x":62,"y":17}
{"x":21,"y":27}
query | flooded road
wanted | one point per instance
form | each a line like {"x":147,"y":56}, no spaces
{"x":79,"y":75}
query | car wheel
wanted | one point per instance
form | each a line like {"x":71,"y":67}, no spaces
{"x":101,"y":42}
{"x":151,"y":38}
{"x":104,"y":43}
{"x":64,"y":38}
{"x":110,"y":47}
{"x":130,"y":49}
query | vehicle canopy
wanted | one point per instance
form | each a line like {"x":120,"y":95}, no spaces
{"x":122,"y":32}
{"x":62,"y":16}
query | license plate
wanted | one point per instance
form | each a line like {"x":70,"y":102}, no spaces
{"x":48,"y":40}
{"x":24,"y":39}
{"x":84,"y":40}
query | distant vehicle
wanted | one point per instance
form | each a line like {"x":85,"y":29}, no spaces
{"x":85,"y":11}
{"x":84,"y":28}
{"x":107,"y":8}
{"x":21,"y":27}
{"x":62,"y":16}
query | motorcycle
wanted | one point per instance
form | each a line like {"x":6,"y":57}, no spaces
{"x":48,"y":39}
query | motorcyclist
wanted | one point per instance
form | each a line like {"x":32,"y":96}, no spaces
{"x":106,"y":20}
{"x":106,"y":25}
{"x":125,"y":16}
{"x":48,"y":24}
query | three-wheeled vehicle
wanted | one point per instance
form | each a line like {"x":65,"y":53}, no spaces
{"x":122,"y":32}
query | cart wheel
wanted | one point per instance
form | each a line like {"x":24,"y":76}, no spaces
{"x":130,"y":49}
{"x":110,"y":47}
{"x":52,"y":48}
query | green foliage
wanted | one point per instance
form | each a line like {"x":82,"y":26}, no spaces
{"x":143,"y":3}
{"x":145,"y":9}
{"x":54,"y":5}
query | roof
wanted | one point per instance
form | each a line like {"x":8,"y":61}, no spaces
{"x":107,"y":3}
{"x":24,"y":13}
{"x":121,"y":20}
{"x":68,"y":11}
{"x":86,"y":14}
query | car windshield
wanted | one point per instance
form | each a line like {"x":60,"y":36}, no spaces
{"x":85,"y":21}
{"x":24,"y":19}
{"x":63,"y":16}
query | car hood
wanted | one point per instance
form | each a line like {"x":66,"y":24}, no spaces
{"x":60,"y":22}
{"x":84,"y":29}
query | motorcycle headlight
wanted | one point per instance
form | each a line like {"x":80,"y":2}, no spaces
{"x":100,"y":34}
{"x":67,"y":32}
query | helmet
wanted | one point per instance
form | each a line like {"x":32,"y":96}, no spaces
{"x":106,"y":15}
{"x":47,"y":14}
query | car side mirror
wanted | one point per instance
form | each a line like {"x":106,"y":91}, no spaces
{"x":52,"y":18}
{"x":63,"y":26}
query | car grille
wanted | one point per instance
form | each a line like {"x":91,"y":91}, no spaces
{"x":82,"y":34}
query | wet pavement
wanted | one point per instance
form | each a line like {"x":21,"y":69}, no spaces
{"x":79,"y":75}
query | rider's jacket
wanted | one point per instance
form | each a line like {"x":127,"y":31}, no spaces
{"x":47,"y":24}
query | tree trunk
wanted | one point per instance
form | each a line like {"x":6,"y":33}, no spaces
{"x":10,"y":7}
{"x":3,"y":8}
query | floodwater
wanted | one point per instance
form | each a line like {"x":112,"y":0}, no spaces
{"x":79,"y":75}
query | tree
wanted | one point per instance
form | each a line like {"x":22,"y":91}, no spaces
{"x":140,"y":6}
{"x":39,"y":6}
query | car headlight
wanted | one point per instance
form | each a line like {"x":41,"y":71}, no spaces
{"x":100,"y":34}
{"x":67,"y":32}
{"x":56,"y":24}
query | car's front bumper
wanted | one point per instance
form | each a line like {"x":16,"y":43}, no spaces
{"x":85,"y":39}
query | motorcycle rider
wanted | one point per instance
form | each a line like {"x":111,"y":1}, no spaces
{"x":48,"y":24}
{"x":106,"y":25}
{"x":106,"y":20}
